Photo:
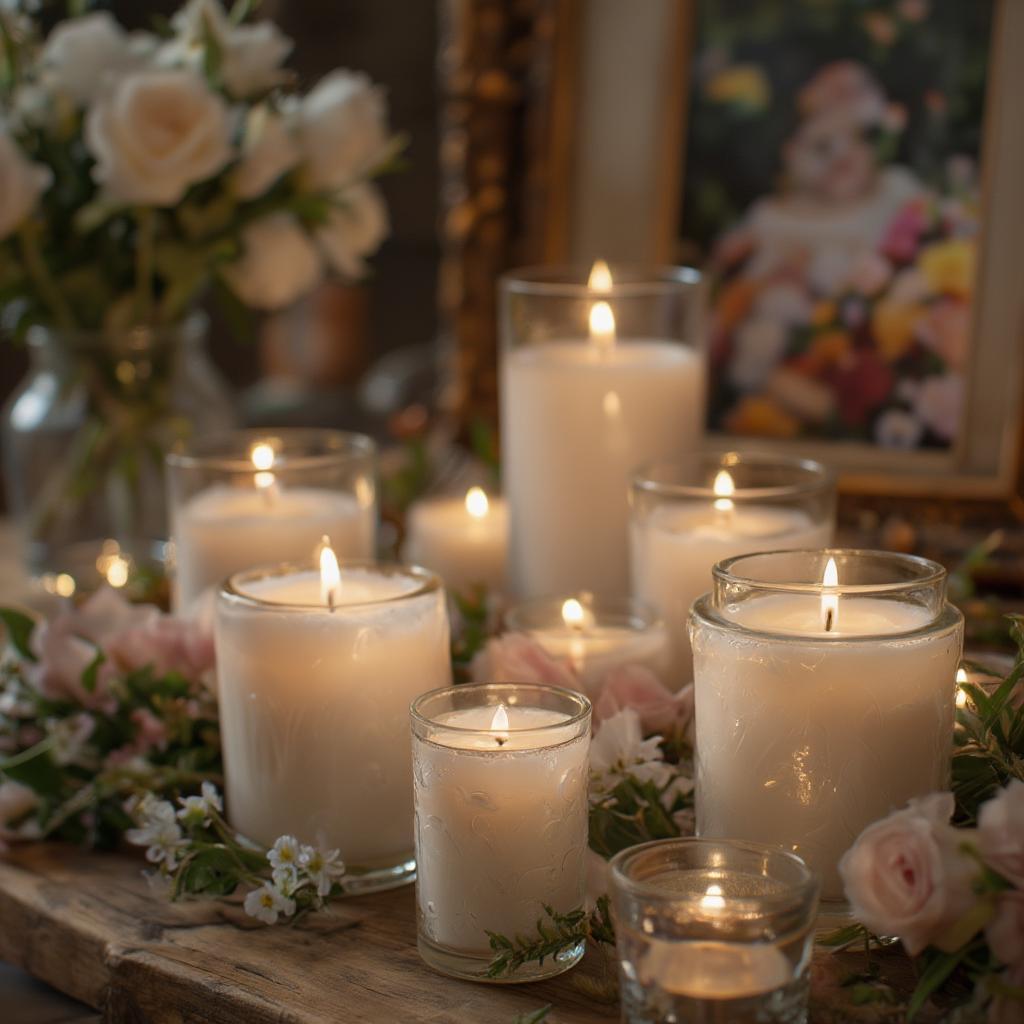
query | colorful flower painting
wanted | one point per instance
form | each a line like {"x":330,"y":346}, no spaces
{"x":832,"y":190}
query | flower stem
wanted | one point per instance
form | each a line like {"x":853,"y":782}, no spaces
{"x":145,"y":223}
{"x":41,"y":277}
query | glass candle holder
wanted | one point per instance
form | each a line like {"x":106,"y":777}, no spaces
{"x":314,"y":692}
{"x":500,"y":779}
{"x":825,"y":688}
{"x":713,"y":931}
{"x":689,"y":514}
{"x":594,"y":635}
{"x":597,"y":376}
{"x":254,"y":497}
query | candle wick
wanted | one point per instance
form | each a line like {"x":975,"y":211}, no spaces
{"x":330,"y":600}
{"x":829,"y":617}
{"x":501,"y":740}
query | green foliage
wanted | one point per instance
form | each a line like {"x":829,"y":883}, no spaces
{"x":19,"y":631}
{"x":534,"y":1016}
{"x":556,"y":935}
{"x":632,"y":813}
{"x":472,"y":632}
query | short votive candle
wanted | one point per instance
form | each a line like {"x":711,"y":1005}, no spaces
{"x":825,"y":688}
{"x":712,"y":931}
{"x":500,"y":773}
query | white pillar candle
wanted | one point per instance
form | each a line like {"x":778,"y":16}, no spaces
{"x":821,"y":709}
{"x":315,"y":686}
{"x":501,"y":816}
{"x":463,"y":539}
{"x":678,"y":533}
{"x":594,"y":637}
{"x":579,"y":412}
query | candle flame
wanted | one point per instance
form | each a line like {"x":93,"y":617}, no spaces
{"x":600,"y":279}
{"x":499,"y":725}
{"x":262,"y":457}
{"x":573,"y":614}
{"x":724,"y":488}
{"x":830,"y":602}
{"x":713,"y":899}
{"x":602,"y":325}
{"x":961,"y":693}
{"x":477,"y":504}
{"x":330,"y":574}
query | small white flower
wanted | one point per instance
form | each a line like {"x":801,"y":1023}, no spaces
{"x":267,"y":903}
{"x":619,"y":751}
{"x":323,"y":867}
{"x":70,"y":736}
{"x":284,"y":853}
{"x":196,"y":810}
{"x":680,"y":786}
{"x":159,"y":832}
{"x":21,"y":184}
{"x":355,"y":229}
{"x":268,"y":151}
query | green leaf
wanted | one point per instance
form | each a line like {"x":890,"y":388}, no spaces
{"x":535,"y":1016}
{"x":213,"y":872}
{"x":19,"y":631}
{"x":90,"y":675}
{"x":39,"y":772}
{"x":940,"y":967}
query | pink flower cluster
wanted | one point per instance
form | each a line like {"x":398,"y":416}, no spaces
{"x":915,"y":876}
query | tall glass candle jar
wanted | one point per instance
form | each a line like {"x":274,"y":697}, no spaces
{"x":689,"y":514}
{"x":712,"y":931}
{"x":316,"y":673}
{"x":825,"y":687}
{"x":500,"y":773}
{"x":255,"y":497}
{"x":598,"y":375}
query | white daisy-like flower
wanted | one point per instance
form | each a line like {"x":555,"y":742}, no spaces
{"x":268,"y":903}
{"x":197,"y":810}
{"x":680,"y":786}
{"x":159,"y":831}
{"x":323,"y":867}
{"x":284,"y":859}
{"x":619,"y":751}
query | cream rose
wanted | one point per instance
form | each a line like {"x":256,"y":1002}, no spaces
{"x":905,"y":876}
{"x":155,"y":134}
{"x":342,"y":130}
{"x":21,"y":184}
{"x":1001,"y":833}
{"x":267,"y":152}
{"x":355,"y":229}
{"x":83,"y":55}
{"x":279,"y":264}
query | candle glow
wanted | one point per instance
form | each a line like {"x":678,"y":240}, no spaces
{"x":724,"y":488}
{"x":477,"y":504}
{"x":330,"y":575}
{"x":600,"y":279}
{"x":602,"y":326}
{"x":713,"y":898}
{"x":830,"y":602}
{"x":961,"y":693}
{"x":262,"y":457}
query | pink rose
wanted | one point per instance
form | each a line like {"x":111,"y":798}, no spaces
{"x":1008,"y":1007}
{"x":150,"y":732}
{"x":637,"y":687}
{"x":904,"y":875}
{"x":16,"y":801}
{"x":1001,"y":833}
{"x":515,"y":658}
{"x":1005,"y":933}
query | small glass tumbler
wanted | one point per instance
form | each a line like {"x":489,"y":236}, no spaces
{"x":824,"y":689}
{"x":689,"y":514}
{"x":713,"y":932}
{"x":500,"y":792}
{"x":599,"y":372}
{"x":255,"y":497}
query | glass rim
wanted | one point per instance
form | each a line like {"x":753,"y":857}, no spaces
{"x":819,"y":478}
{"x":214,"y":451}
{"x":569,"y":281}
{"x":428,"y":581}
{"x":806,"y":887}
{"x":582,"y":702}
{"x":637,"y":615}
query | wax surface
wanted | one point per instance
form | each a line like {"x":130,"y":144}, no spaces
{"x":715,"y":970}
{"x":358,"y":586}
{"x":576,"y":423}
{"x":801,"y":615}
{"x":515,"y":737}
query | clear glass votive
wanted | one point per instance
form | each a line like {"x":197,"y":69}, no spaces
{"x":314,"y":695}
{"x":255,"y":497}
{"x":599,"y":372}
{"x":500,"y":782}
{"x":689,"y":514}
{"x":594,"y":635}
{"x":713,"y":932}
{"x":825,"y":686}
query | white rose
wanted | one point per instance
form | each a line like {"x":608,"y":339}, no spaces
{"x":355,"y":229}
{"x":279,"y":263}
{"x":905,"y":875}
{"x":1001,"y":833}
{"x":342,"y":130}
{"x":268,"y":151}
{"x":250,"y":55}
{"x":21,"y":184}
{"x":155,"y":134}
{"x":83,"y":55}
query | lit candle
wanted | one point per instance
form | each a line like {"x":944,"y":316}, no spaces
{"x":316,"y":670}
{"x":463,"y":540}
{"x":231,"y":512}
{"x":595,"y":380}
{"x":501,"y":817}
{"x":681,"y":526}
{"x":824,"y":697}
{"x":594,"y":636}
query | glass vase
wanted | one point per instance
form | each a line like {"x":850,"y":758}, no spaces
{"x":84,"y":438}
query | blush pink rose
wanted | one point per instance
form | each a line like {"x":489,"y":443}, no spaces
{"x":905,"y":876}
{"x":515,"y":658}
{"x":637,"y":687}
{"x":1005,"y":932}
{"x":1001,"y":833}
